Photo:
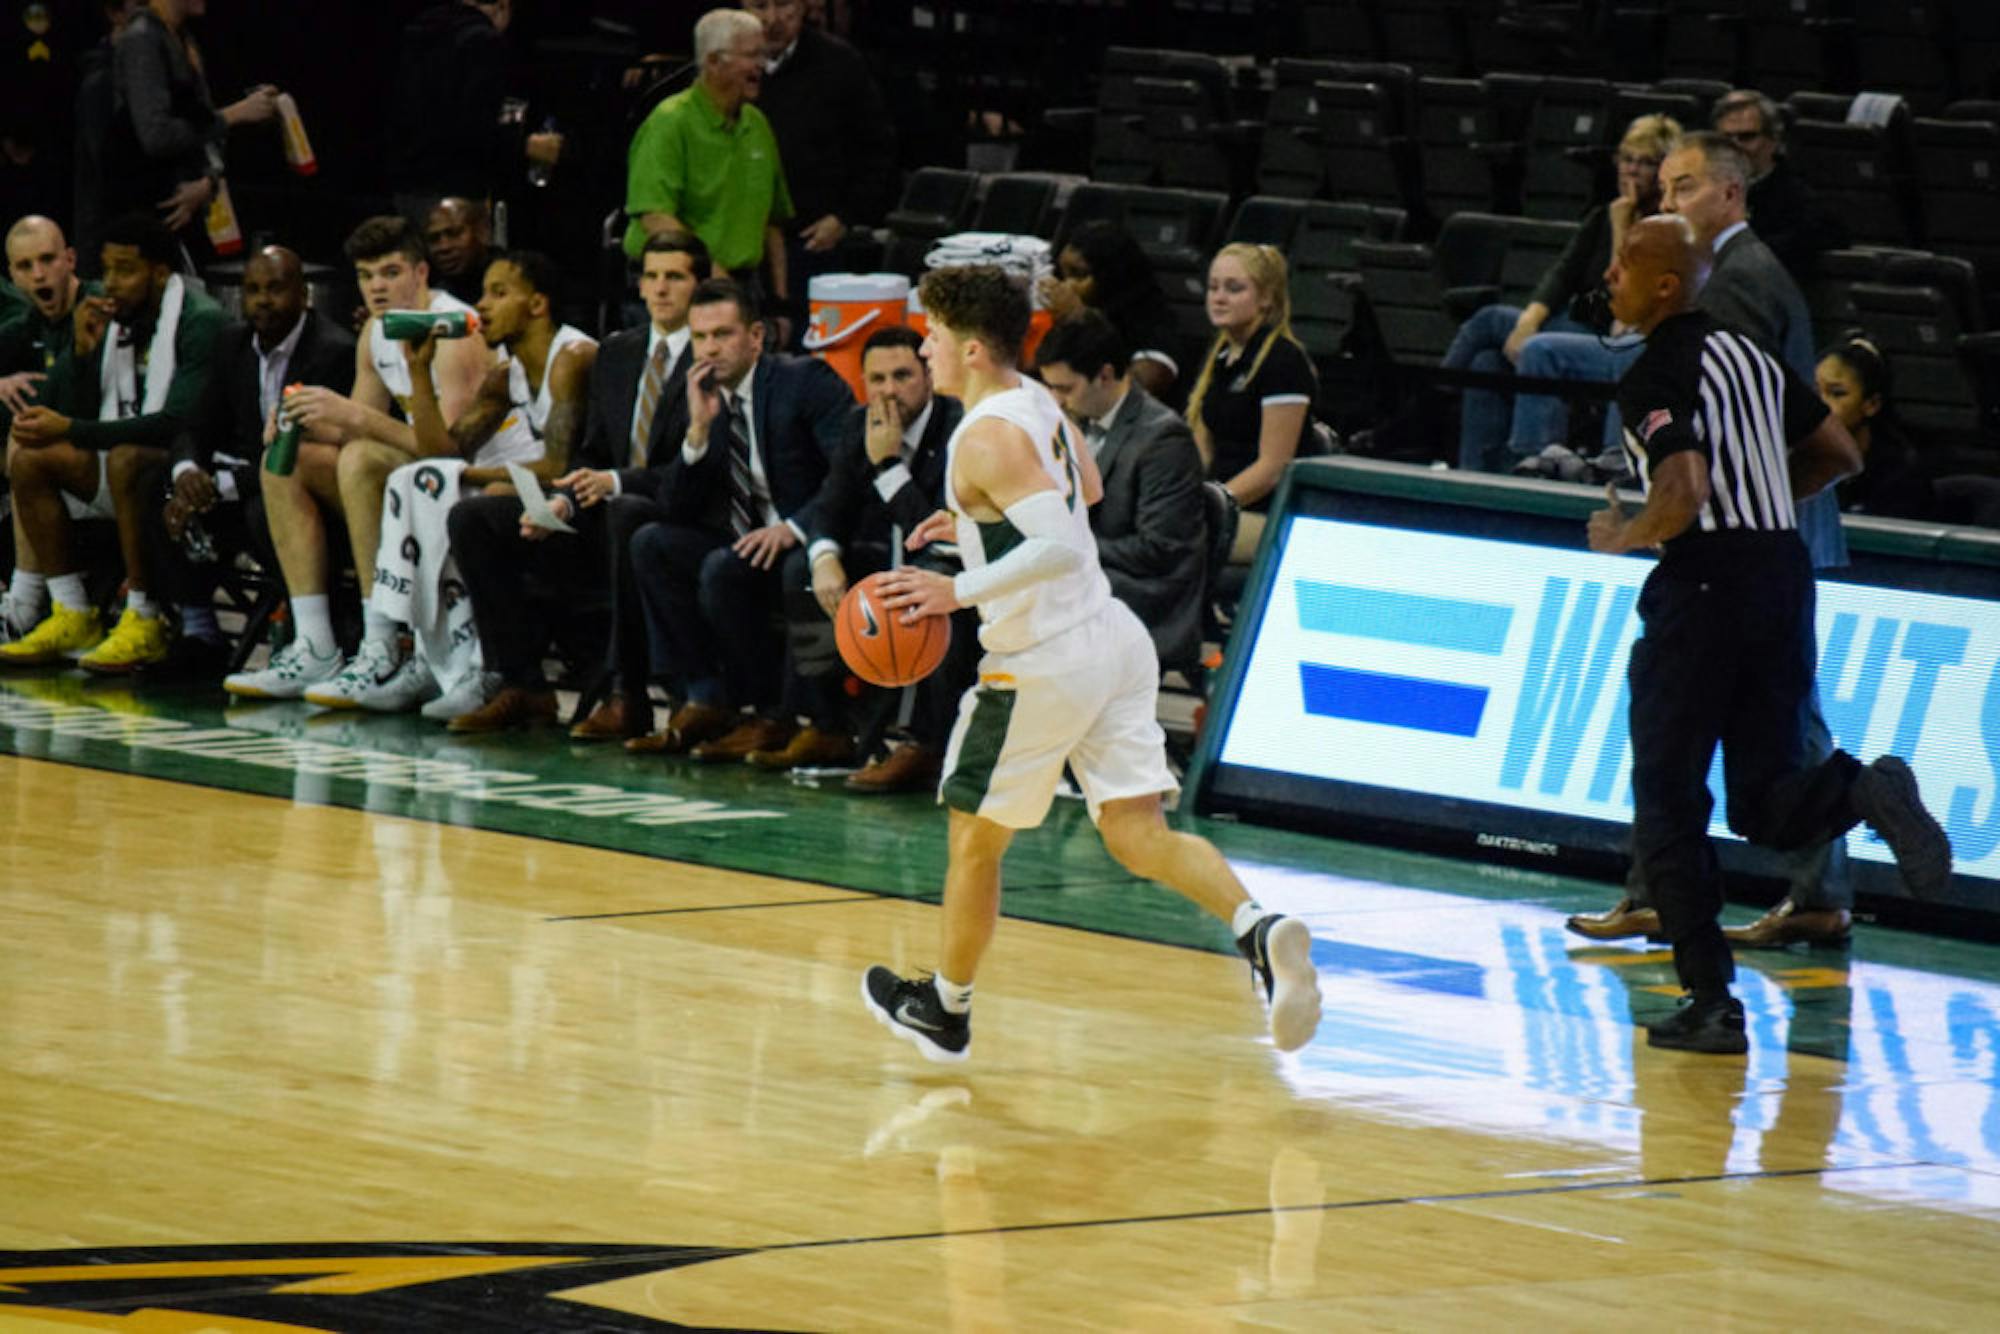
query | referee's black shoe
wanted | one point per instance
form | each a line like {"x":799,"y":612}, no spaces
{"x":1885,"y":796}
{"x":1712,"y":1026}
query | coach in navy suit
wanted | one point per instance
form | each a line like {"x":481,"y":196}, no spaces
{"x":886,"y":478}
{"x":625,"y":463}
{"x":760,"y":431}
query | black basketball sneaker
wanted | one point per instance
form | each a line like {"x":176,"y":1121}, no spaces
{"x":1279,"y":949}
{"x":910,"y":1009}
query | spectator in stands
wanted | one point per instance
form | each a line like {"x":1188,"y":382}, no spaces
{"x":132,"y":381}
{"x":1781,"y":205}
{"x":350,"y":444}
{"x":451,"y":79}
{"x":1251,"y":405}
{"x":886,"y":477}
{"x":166,"y":137}
{"x":1102,"y":268}
{"x":215,"y":508}
{"x":1853,"y":381}
{"x":459,"y":235}
{"x":624,"y":463}
{"x":705,"y":160}
{"x":760,"y":431}
{"x":1149,"y":525}
{"x":530,"y":411}
{"x":1497,"y":430}
{"x":835,"y":138}
{"x":42,"y":268}
{"x":96,"y":105}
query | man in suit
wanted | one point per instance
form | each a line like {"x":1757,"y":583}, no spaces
{"x":1706,"y":181}
{"x":886,"y":478}
{"x":636,"y":416}
{"x":215,"y":507}
{"x":760,"y":430}
{"x":1149,"y":525}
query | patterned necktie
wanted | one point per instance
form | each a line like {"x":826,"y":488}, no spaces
{"x":742,"y":493}
{"x":649,"y":402}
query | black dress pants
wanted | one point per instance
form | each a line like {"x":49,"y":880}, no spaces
{"x":1726,"y":658}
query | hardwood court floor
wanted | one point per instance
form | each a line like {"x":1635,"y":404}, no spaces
{"x":334,"y":1068}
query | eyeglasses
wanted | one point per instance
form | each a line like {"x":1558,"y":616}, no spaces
{"x":1746,"y":137}
{"x":1638,"y":163}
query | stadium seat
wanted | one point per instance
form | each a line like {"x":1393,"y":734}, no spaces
{"x":1564,"y":156}
{"x":1703,"y":40}
{"x":1918,"y":331}
{"x":1532,"y":246}
{"x":1460,"y":144}
{"x":1828,"y":289}
{"x":936,"y":202}
{"x":1430,"y":36}
{"x":1901,"y":48}
{"x":1418,"y":295}
{"x":1325,"y":274}
{"x":1265,"y":220}
{"x":1958,"y":179}
{"x":1860,"y":172}
{"x":1629,"y":103}
{"x":1019,"y":203}
{"x":1342,"y":29}
{"x":1196,"y":147}
{"x":1364,"y":160}
{"x":1790,"y":45}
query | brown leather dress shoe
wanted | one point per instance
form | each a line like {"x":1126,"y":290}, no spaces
{"x":1622,"y":923}
{"x":737,"y":743}
{"x":908,"y":768}
{"x":615,"y":719}
{"x":512,"y":707}
{"x":1789,"y":924}
{"x":690,"y":725}
{"x":809,"y":747}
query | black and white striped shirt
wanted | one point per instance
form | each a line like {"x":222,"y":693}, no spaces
{"x":1701,"y":385}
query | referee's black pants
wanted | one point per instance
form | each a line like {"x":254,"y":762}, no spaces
{"x":1727,"y":657}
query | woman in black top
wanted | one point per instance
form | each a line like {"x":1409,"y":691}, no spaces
{"x":1251,"y":405}
{"x":1101,"y":267}
{"x":1853,"y":381}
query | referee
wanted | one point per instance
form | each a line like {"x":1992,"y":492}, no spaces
{"x":1725,"y":439}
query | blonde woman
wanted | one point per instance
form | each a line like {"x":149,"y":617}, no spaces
{"x":1496,"y":430}
{"x":1252,"y":402}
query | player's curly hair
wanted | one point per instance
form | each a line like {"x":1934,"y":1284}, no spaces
{"x":979,"y":301}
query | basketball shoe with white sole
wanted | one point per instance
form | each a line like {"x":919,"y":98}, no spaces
{"x":1279,"y":949}
{"x":910,"y":1008}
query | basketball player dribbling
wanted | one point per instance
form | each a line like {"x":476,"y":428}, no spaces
{"x":1069,"y":676}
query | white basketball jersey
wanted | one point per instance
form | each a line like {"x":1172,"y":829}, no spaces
{"x":528,"y":416}
{"x":392,"y":355}
{"x":1043,"y":610}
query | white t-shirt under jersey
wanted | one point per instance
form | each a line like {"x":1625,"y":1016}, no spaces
{"x":1022,"y":619}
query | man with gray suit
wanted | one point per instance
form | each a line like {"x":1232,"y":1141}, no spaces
{"x":1706,"y":180}
{"x":1149,"y":525}
{"x":626,"y":463}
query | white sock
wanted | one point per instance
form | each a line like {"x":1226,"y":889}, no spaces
{"x":312,"y":622}
{"x":30,"y":593}
{"x":140,"y":603}
{"x":1248,"y":914}
{"x":956,"y":999}
{"x":198,"y":622}
{"x":68,"y":591}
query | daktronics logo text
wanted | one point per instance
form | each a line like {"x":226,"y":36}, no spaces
{"x":1536,"y":846}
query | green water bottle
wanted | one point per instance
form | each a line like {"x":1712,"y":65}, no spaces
{"x":413,"y":326}
{"x":282,"y":454}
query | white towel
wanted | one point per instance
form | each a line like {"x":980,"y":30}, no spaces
{"x":1027,"y":256}
{"x":118,"y":369}
{"x":416,"y":576}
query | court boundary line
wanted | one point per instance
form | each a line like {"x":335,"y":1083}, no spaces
{"x":687,"y":1257}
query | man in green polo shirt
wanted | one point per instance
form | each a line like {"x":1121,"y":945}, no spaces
{"x":705,"y":160}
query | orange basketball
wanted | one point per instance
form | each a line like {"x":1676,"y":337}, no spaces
{"x":879,"y":646}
